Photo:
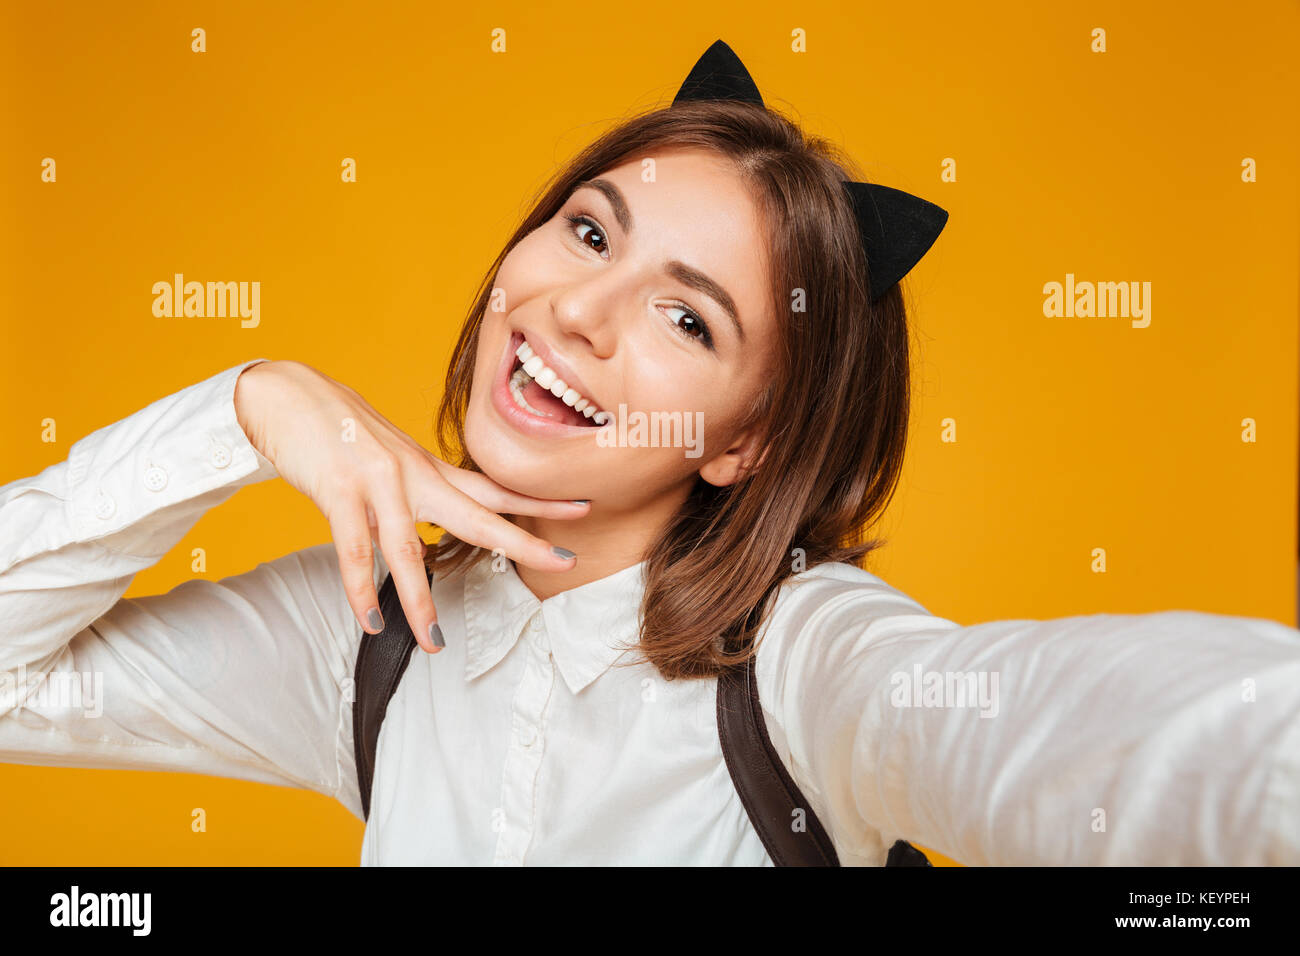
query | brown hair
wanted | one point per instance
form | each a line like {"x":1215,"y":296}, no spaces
{"x":834,"y":414}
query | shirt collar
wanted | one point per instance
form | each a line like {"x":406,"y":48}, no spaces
{"x":587,"y":628}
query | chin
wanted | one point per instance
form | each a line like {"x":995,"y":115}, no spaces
{"x":519,"y":465}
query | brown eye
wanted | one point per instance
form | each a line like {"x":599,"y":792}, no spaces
{"x":690,"y":325}
{"x":593,"y":233}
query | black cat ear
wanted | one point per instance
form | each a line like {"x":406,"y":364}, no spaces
{"x":719,"y":75}
{"x":897,"y":230}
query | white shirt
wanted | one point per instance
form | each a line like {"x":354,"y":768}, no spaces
{"x":1168,"y":738}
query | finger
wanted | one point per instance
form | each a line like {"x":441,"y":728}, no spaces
{"x":403,"y":550}
{"x":502,"y":500}
{"x":440,"y":503}
{"x":352,"y":542}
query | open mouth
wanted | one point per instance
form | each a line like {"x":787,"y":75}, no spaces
{"x":538,"y":390}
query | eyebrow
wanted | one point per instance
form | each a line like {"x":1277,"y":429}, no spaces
{"x":679,"y":270}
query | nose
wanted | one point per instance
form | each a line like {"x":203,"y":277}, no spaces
{"x":589,"y":308}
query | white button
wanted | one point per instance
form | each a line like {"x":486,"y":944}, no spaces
{"x":220,"y":456}
{"x":527,"y":736}
{"x":536,"y":625}
{"x":155,"y":479}
{"x":105,"y":508}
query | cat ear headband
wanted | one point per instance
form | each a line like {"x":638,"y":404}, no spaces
{"x":897,"y":228}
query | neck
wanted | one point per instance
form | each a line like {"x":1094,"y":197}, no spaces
{"x":606,"y":541}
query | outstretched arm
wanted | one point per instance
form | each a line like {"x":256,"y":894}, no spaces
{"x":1130,"y":739}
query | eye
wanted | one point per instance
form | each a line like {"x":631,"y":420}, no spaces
{"x":594,"y":233}
{"x":690,"y":325}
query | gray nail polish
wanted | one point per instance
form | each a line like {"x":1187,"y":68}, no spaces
{"x":375,"y":619}
{"x":435,"y":635}
{"x":564,"y":552}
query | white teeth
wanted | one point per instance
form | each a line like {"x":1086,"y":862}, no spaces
{"x":536,"y":370}
{"x":517,"y":383}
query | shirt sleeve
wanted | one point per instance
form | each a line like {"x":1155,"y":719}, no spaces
{"x":247,"y":677}
{"x":1169,"y":738}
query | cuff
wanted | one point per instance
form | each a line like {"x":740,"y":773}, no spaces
{"x":177,"y":448}
{"x":167,"y":454}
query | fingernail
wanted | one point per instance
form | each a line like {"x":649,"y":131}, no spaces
{"x":564,"y":553}
{"x":582,"y":501}
{"x":435,"y":635}
{"x":375,"y":619}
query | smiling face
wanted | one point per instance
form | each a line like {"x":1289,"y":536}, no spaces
{"x":635,"y":297}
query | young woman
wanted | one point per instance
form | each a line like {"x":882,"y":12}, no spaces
{"x":703,"y":262}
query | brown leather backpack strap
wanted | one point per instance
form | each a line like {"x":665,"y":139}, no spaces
{"x":767,"y":791}
{"x":382,"y":659}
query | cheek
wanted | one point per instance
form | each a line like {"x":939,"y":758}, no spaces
{"x":530,"y":269}
{"x":714,"y":401}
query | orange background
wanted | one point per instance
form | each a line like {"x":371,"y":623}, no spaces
{"x":1073,"y":433}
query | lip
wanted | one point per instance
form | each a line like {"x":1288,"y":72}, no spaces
{"x":515,"y":416}
{"x":558,"y":366}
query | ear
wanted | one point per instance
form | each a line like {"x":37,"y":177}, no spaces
{"x":744,"y":456}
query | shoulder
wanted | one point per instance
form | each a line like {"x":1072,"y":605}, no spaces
{"x":833,"y":596}
{"x":818,"y":667}
{"x":828,"y":623}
